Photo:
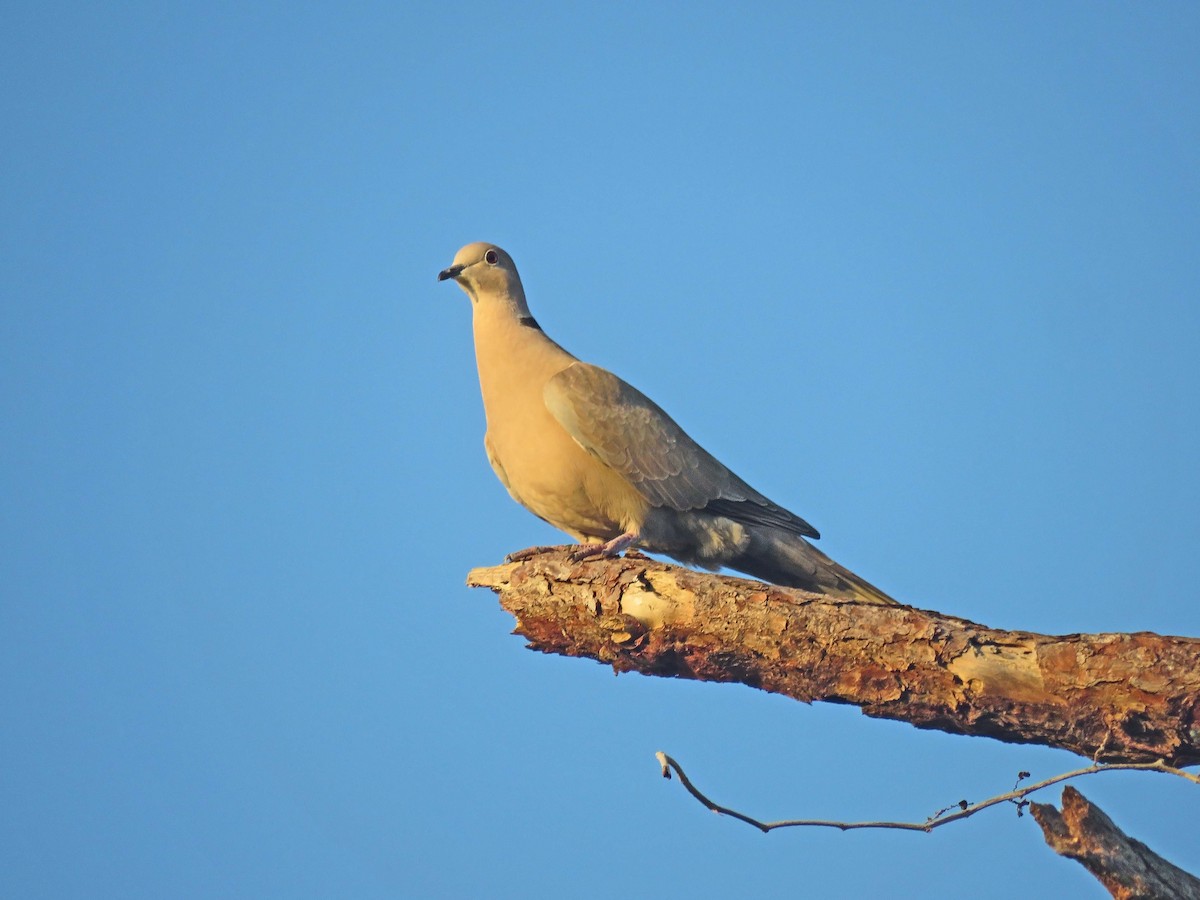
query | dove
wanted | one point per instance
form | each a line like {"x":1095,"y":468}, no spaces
{"x":598,"y":459}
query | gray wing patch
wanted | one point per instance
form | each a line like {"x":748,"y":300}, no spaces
{"x":629,"y":432}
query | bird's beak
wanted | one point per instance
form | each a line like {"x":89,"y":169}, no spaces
{"x":452,"y":272}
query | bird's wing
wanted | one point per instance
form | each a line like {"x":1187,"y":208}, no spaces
{"x":630,"y":433}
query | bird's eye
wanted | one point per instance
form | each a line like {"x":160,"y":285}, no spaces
{"x":491,"y":257}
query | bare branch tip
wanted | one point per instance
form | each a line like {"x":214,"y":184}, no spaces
{"x":665,"y":762}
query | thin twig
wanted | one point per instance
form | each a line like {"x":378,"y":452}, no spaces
{"x":965,"y":810}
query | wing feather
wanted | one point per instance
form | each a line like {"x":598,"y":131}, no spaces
{"x":630,"y":433}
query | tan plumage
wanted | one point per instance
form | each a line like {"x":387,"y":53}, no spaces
{"x":596,"y":458}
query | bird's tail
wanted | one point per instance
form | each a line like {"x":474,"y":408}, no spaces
{"x":786,"y":559}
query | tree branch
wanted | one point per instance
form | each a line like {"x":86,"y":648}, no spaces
{"x":1116,"y":698}
{"x":1127,"y":868}
{"x":955,"y":813}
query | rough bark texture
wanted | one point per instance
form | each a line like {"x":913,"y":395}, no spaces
{"x":1108,"y":697}
{"x":1128,"y":868}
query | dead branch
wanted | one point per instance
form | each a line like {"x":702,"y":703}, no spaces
{"x":1115,"y":698}
{"x":1127,"y":868}
{"x":953,"y":813}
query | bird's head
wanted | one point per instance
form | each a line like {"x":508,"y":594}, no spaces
{"x":484,"y":270}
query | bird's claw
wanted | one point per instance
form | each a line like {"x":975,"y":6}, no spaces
{"x":531,"y":552}
{"x":576,"y":552}
{"x":586,"y":551}
{"x":610,"y":549}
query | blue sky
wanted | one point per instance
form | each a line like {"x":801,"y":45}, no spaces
{"x":924,"y":273}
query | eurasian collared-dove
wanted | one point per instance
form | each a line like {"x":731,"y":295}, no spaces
{"x":593,"y":456}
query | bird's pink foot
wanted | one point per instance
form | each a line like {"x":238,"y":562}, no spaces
{"x":612,"y":548}
{"x":530,"y":552}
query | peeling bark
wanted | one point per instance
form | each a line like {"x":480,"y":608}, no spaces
{"x":1108,"y":697}
{"x":1126,"y":867}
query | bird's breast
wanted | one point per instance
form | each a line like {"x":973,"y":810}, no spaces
{"x":556,"y":479}
{"x":543,"y":467}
